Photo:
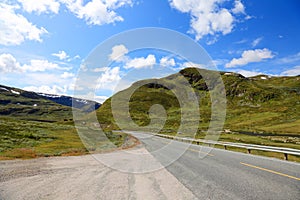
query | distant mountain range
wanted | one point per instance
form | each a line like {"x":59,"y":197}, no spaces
{"x":83,"y":104}
{"x":20,"y":103}
{"x":35,"y":124}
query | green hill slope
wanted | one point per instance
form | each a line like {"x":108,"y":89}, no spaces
{"x":22,"y":104}
{"x":32,"y":125}
{"x":260,"y":110}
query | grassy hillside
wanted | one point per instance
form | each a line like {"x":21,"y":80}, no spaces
{"x":260,"y":110}
{"x":33,"y":126}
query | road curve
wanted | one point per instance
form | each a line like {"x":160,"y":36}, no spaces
{"x":229,"y":175}
{"x":219,"y":175}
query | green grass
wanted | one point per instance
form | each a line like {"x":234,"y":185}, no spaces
{"x":23,"y":139}
{"x":265,"y":112}
{"x":30,"y":139}
{"x":31,"y":126}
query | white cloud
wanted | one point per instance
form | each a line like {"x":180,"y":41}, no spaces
{"x":290,"y":59}
{"x":46,"y":82}
{"x":62,"y":55}
{"x":209,"y":24}
{"x":55,"y":89}
{"x":97,"y":12}
{"x":250,"y":56}
{"x":8,"y":63}
{"x":207,"y":16}
{"x":72,"y":58}
{"x":99,"y":99}
{"x":75,"y":87}
{"x":118,"y":53}
{"x":76,"y":57}
{"x":292,"y":72}
{"x":248,"y":17}
{"x":66,"y":75}
{"x":192,"y":65}
{"x":109,"y":78}
{"x":43,"y":78}
{"x":93,"y":97}
{"x":256,"y":41}
{"x":40,"y":6}
{"x":238,"y":7}
{"x":40,"y":75}
{"x":47,"y":89}
{"x":83,"y":67}
{"x":100,"y":69}
{"x":243,"y":41}
{"x":166,"y":62}
{"x":217,"y":62}
{"x":142,"y":62}
{"x":247,"y":73}
{"x":212,"y":40}
{"x":38,"y":79}
{"x":15,"y":28}
{"x":41,"y":65}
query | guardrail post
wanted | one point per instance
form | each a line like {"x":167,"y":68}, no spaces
{"x":249,"y":151}
{"x":285,"y":156}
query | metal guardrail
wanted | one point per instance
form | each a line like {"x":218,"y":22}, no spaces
{"x":249,"y":147}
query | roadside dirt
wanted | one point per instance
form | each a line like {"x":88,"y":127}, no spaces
{"x":84,"y":177}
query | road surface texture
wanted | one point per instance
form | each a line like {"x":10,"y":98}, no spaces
{"x":84,"y":178}
{"x":219,"y":175}
{"x":230,"y":175}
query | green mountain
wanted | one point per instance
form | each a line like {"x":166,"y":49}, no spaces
{"x":20,"y":103}
{"x":260,"y":109}
{"x":34,"y":124}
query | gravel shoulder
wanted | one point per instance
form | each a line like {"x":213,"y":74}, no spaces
{"x":84,"y":177}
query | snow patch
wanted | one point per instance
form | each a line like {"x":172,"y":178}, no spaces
{"x":2,"y":88}
{"x":50,"y":95}
{"x":82,"y":101}
{"x":15,"y":92}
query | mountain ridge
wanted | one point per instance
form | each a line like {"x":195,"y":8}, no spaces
{"x":11,"y":95}
{"x":36,"y":125}
{"x":261,"y":104}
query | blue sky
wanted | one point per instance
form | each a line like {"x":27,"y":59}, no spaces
{"x":43,"y":43}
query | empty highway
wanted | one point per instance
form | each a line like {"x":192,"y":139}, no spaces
{"x":158,"y":168}
{"x":228,"y":175}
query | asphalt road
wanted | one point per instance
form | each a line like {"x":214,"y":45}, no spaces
{"x":156,"y":169}
{"x":225,"y":174}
